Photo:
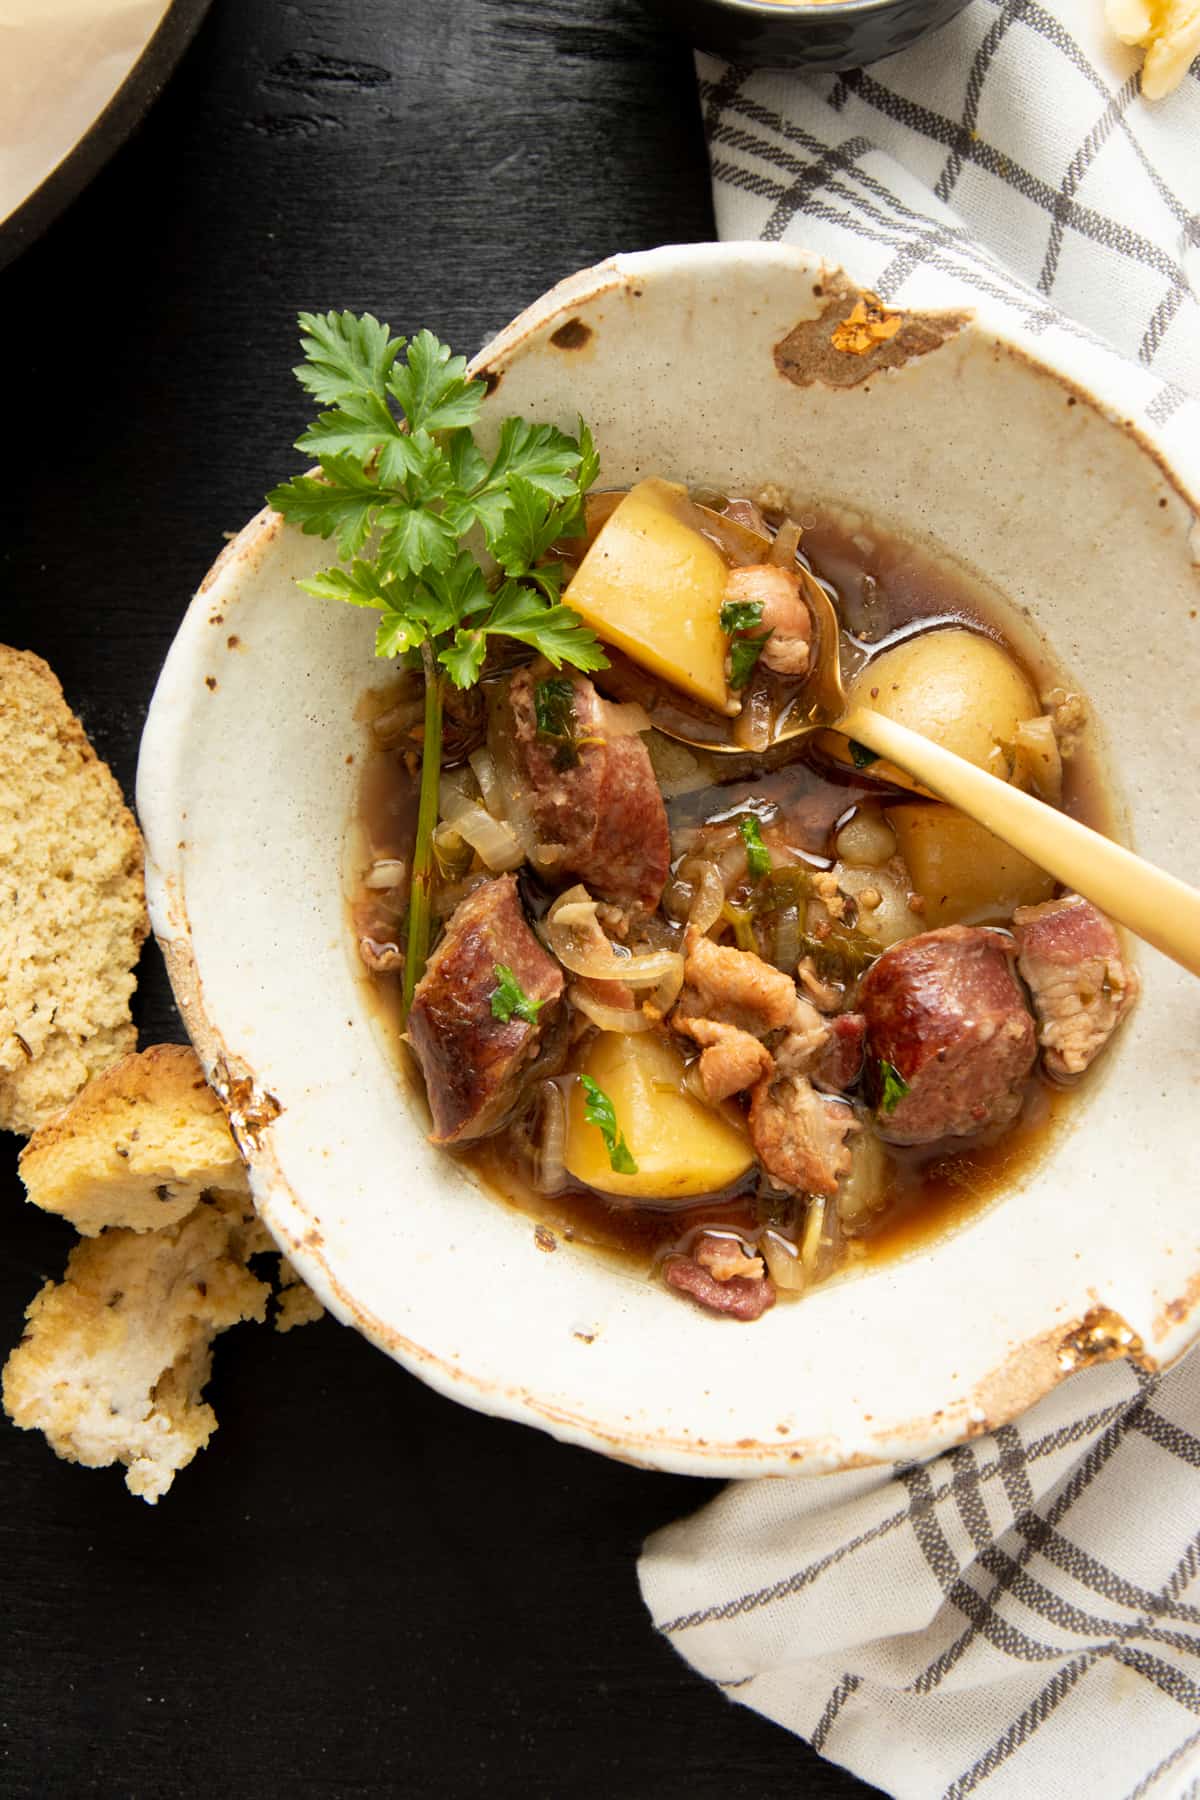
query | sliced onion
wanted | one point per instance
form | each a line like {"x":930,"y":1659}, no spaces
{"x":676,"y":770}
{"x":608,"y":1018}
{"x":783,"y":1261}
{"x":782,"y":554}
{"x":388,"y":872}
{"x":810,"y":1243}
{"x":785,"y":951}
{"x":624,"y":720}
{"x":752,"y":727}
{"x":549,"y":1169}
{"x":664,"y":996}
{"x":575,"y":937}
{"x":708,"y":893}
{"x":484,"y":767}
{"x":1038,"y":756}
{"x":493,"y":839}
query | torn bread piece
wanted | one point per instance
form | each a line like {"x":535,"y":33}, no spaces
{"x":295,"y":1302}
{"x":72,"y":905}
{"x":136,"y":1149}
{"x":115,"y":1356}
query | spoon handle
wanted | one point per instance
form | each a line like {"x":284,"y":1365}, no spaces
{"x":1155,"y":905}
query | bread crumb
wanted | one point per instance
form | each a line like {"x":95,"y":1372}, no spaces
{"x":136,"y":1149}
{"x":72,"y":905}
{"x":115,"y":1357}
{"x":295,"y":1302}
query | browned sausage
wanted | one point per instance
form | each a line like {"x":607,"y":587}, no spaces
{"x":475,"y":1065}
{"x":594,"y":797}
{"x":945,"y":1010}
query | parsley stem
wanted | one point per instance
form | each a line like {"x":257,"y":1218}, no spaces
{"x":421,"y":895}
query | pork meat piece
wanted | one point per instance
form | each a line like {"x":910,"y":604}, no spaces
{"x":784,"y":614}
{"x":476,"y":1065}
{"x":734,"y":987}
{"x":799,"y":1136}
{"x":738,"y":1298}
{"x":589,"y":792}
{"x":1070,"y":957}
{"x":730,"y":1060}
{"x":946,"y":1011}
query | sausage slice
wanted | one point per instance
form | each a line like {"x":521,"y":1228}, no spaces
{"x":945,"y":1010}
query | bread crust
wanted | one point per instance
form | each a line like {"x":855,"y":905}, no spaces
{"x":72,"y":900}
{"x":137,"y":1148}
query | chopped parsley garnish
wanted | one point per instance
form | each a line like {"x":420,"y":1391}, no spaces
{"x":758,"y":857}
{"x":601,"y":1113}
{"x":738,"y":617}
{"x":554,"y":707}
{"x":894,"y":1086}
{"x":860,"y":756}
{"x":509,"y":999}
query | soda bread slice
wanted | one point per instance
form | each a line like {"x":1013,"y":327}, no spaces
{"x":72,"y":907}
{"x":137,"y":1148}
{"x":116,"y":1355}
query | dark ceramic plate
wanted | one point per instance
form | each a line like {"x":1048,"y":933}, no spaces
{"x":834,"y":34}
{"x":107,"y":132}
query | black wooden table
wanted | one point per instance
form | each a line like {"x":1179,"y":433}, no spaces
{"x":359,"y":1587}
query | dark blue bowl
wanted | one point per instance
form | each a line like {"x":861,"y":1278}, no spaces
{"x":830,"y":34}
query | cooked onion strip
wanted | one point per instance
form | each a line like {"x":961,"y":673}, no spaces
{"x":708,"y":893}
{"x":608,"y":1018}
{"x":484,"y":769}
{"x":493,"y":839}
{"x":785,"y":544}
{"x":575,"y":937}
{"x":625,"y":719}
{"x":783,"y":1261}
{"x":549,"y":1170}
{"x":810,"y":1243}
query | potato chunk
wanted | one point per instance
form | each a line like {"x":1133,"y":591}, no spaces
{"x":652,"y":586}
{"x":681,"y":1147}
{"x":966,"y":875}
{"x":956,"y":687}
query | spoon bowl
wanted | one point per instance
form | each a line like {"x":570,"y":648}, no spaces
{"x":1154,"y":905}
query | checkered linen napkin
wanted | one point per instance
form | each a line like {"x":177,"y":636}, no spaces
{"x":1022,"y":1615}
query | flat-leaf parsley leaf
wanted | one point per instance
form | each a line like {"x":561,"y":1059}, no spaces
{"x":601,"y":1113}
{"x":894,"y":1086}
{"x":758,"y":857}
{"x":509,"y":999}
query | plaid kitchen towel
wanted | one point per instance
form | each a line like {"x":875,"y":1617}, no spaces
{"x":1021,"y":1616}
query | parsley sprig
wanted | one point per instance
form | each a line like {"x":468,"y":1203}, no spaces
{"x":600,"y":1112}
{"x":402,"y":481}
{"x":408,"y":498}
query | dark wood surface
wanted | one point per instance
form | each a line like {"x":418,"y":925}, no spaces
{"x":359,"y":1587}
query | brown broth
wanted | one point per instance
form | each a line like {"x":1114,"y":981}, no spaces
{"x":886,"y":587}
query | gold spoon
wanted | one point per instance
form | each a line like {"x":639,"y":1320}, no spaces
{"x":1156,"y":906}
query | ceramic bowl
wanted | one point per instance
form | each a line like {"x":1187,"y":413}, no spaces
{"x":711,"y":364}
{"x":801,"y":34}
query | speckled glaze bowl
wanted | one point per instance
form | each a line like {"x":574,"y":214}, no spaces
{"x":829,"y":34}
{"x":711,"y":364}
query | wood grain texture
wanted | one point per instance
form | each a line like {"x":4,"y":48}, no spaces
{"x":359,"y":1588}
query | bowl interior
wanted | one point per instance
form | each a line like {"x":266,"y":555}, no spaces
{"x":711,"y":365}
